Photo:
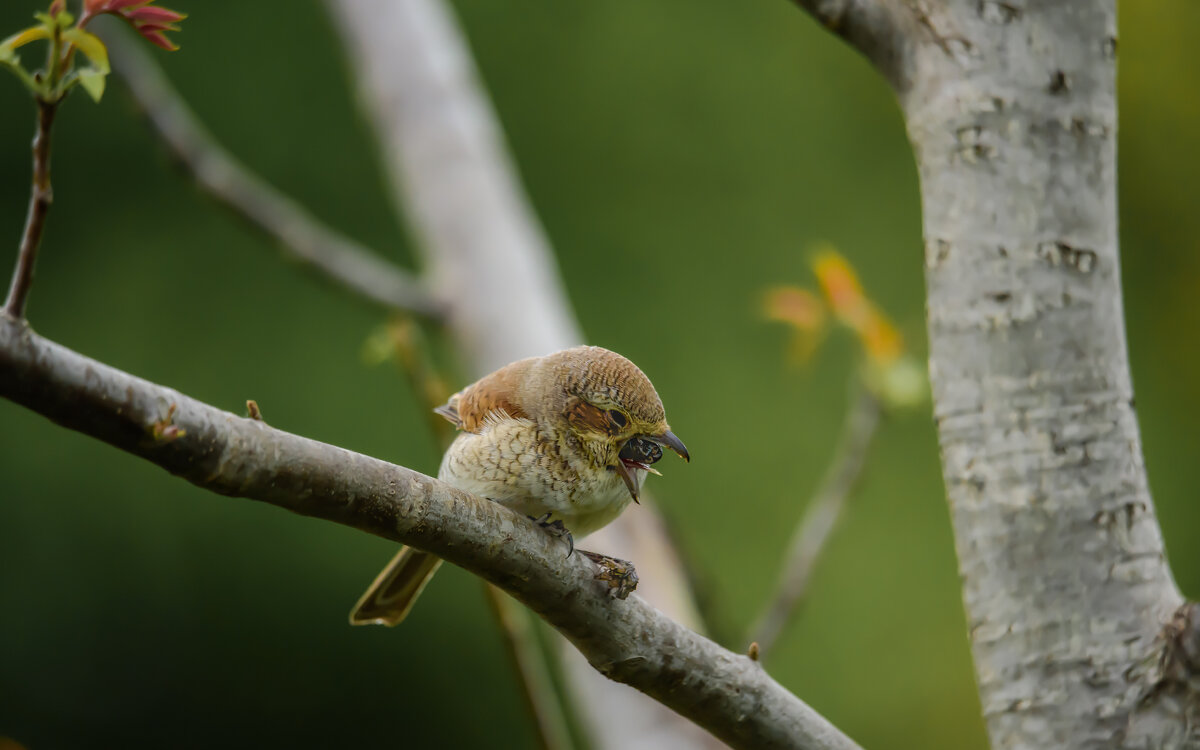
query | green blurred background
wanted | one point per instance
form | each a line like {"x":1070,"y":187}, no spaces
{"x":683,"y":154}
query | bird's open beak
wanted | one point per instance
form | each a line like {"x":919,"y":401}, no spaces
{"x":627,"y":467}
{"x":668,"y":439}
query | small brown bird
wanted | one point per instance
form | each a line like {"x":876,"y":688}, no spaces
{"x":566,"y":439}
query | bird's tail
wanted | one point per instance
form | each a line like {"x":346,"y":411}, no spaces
{"x":395,"y":590}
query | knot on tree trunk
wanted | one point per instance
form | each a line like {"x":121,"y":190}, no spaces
{"x":1168,"y":714}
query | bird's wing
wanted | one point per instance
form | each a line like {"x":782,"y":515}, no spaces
{"x":491,"y":397}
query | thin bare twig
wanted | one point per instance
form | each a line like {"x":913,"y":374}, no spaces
{"x":820,"y":518}
{"x":516,"y":625}
{"x":627,"y":640}
{"x":529,"y":660}
{"x":41,"y":196}
{"x":411,"y":350}
{"x":219,"y":174}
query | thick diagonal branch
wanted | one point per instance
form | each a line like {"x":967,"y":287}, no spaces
{"x":628,"y":640}
{"x":224,"y":178}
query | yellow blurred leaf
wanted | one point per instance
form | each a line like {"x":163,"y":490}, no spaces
{"x":840,"y":285}
{"x":797,"y":307}
{"x":880,"y":339}
{"x":804,"y":312}
{"x":844,"y":293}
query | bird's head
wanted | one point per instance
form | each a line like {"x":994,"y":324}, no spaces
{"x":610,"y":411}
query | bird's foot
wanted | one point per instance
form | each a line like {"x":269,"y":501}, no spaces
{"x":555,"y":528}
{"x":620,"y":575}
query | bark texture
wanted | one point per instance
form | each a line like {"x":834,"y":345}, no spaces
{"x":1075,"y":620}
{"x":627,"y":640}
{"x":1013,"y":118}
{"x":1011,"y":110}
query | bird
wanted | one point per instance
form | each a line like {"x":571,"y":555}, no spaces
{"x":565,"y":439}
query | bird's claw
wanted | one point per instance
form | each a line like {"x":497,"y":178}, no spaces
{"x":557,"y":529}
{"x":620,"y":575}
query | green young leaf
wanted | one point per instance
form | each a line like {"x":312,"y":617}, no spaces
{"x":9,"y":58}
{"x":20,"y":39}
{"x":379,"y":346}
{"x":62,"y":19}
{"x":90,"y":45}
{"x":92,"y":81}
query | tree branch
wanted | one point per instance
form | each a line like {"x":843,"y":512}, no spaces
{"x":820,"y":517}
{"x":879,"y":29}
{"x":302,"y":237}
{"x":41,"y":196}
{"x":627,"y":640}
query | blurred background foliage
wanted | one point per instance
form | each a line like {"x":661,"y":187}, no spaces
{"x":684,"y":155}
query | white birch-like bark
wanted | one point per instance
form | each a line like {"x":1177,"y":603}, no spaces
{"x":1065,"y":582}
{"x":1011,"y":110}
{"x":488,"y":258}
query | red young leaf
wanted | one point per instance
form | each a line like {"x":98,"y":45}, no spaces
{"x":146,"y":28}
{"x":154,"y":14}
{"x":151,"y":22}
{"x":115,"y":5}
{"x":158,"y":38}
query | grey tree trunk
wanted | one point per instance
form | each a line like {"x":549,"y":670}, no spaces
{"x":1011,"y":110}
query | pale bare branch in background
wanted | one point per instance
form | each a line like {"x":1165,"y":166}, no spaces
{"x":484,"y":250}
{"x":300,"y":235}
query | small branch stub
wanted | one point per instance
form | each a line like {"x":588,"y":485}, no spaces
{"x":165,"y":430}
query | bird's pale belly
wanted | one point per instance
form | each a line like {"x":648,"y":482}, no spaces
{"x":501,"y":465}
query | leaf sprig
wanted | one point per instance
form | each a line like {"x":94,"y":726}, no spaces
{"x":65,"y":35}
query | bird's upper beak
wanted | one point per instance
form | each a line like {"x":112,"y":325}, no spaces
{"x":669,"y":439}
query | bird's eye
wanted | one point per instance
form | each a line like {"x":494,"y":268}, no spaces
{"x":619,"y":419}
